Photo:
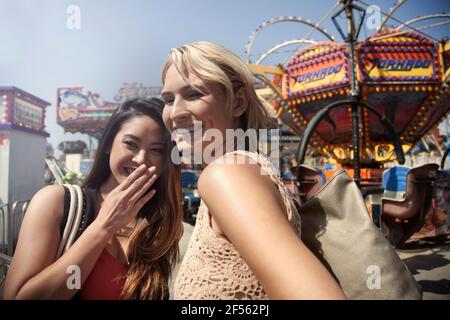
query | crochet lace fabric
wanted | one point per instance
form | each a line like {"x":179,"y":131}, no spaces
{"x":212,"y":268}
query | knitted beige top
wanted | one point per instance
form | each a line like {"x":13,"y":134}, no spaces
{"x":212,"y":268}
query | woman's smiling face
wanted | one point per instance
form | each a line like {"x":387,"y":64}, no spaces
{"x":139,"y":141}
{"x":193,"y":110}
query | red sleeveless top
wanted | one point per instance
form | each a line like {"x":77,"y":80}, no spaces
{"x":106,"y":280}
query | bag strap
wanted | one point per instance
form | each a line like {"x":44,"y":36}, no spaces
{"x":87,"y":204}
{"x":70,"y":219}
{"x":78,"y":216}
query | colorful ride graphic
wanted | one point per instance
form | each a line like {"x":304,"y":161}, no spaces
{"x":400,"y":76}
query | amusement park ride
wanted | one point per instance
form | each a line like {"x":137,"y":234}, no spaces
{"x":396,"y":77}
{"x":361,"y":103}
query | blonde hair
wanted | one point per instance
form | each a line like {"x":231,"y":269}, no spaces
{"x":214,"y":64}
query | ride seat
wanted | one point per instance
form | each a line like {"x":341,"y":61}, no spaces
{"x":394,"y":182}
{"x":402,"y":217}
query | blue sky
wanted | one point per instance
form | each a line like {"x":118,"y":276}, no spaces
{"x":128,"y":41}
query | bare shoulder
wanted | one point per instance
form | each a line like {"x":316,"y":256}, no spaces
{"x":38,"y":237}
{"x":50,"y":192}
{"x":39,"y":231}
{"x":48,"y":202}
{"x":237,"y":178}
{"x":232,"y":169}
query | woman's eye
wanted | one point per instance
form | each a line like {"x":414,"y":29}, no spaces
{"x":195,"y":95}
{"x":131,"y":144}
{"x":168,"y":102}
{"x":157,"y":151}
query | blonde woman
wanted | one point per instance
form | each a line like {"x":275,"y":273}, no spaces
{"x":246,"y":242}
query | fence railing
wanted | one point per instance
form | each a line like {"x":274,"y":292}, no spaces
{"x":5,"y":261}
{"x":18,"y":210}
{"x":4,"y":227}
{"x":11,"y":217}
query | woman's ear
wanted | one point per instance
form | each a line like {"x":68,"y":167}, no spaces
{"x":240,"y":102}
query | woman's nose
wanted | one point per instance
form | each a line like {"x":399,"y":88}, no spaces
{"x":178,"y":111}
{"x":140,"y":158}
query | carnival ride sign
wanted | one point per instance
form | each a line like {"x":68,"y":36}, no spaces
{"x":314,"y":76}
{"x":79,"y":112}
{"x":87,"y":112}
{"x":316,"y":69}
{"x":408,"y":57}
{"x":394,"y":65}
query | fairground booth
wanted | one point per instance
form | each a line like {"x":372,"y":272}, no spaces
{"x":22,"y":153}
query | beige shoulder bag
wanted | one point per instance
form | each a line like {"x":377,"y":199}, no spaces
{"x":337,"y":228}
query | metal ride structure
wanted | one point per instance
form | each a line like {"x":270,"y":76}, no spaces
{"x":336,"y":95}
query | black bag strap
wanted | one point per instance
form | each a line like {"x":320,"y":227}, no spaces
{"x":62,"y":225}
{"x":89,"y":202}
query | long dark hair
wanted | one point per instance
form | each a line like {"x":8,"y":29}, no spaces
{"x":153,"y":248}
